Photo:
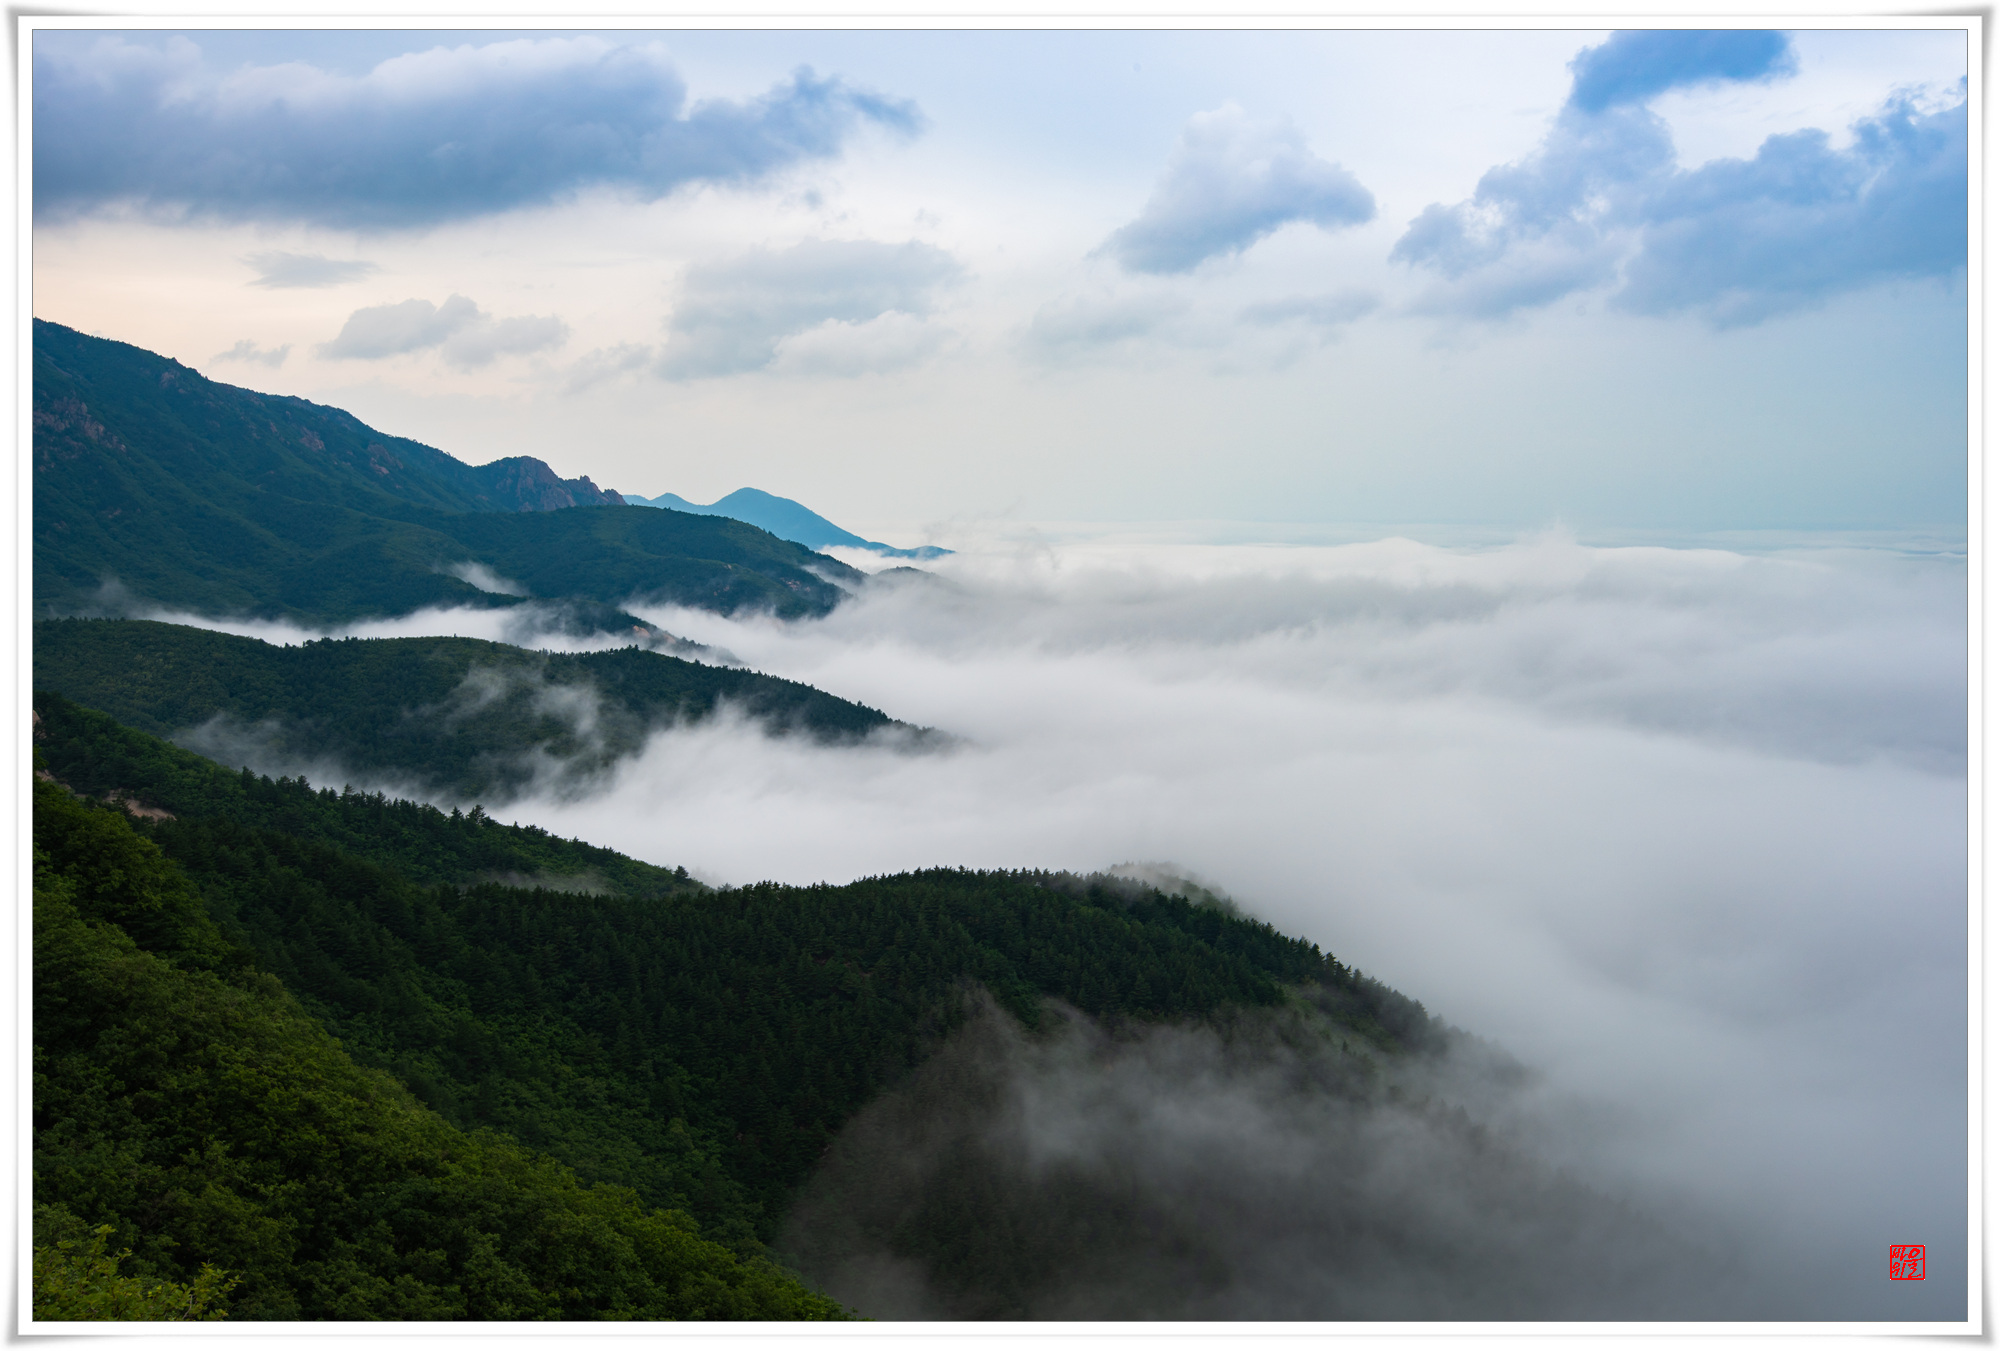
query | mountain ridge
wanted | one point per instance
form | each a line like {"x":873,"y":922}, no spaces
{"x":786,"y":519}
{"x":158,"y":488}
{"x":461,"y":717}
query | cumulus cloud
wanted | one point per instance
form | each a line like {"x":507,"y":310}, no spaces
{"x":821,"y":295}
{"x":426,"y":137}
{"x":246,"y":350}
{"x":1233,"y":180}
{"x":286,"y":270}
{"x":1601,"y":203}
{"x":465,"y":335}
{"x":1738,"y":240}
{"x":1634,"y":66}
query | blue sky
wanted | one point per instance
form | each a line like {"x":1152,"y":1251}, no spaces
{"x":1648,"y":280}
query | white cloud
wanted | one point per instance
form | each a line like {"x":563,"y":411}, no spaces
{"x":1078,"y":325}
{"x":1232,"y":181}
{"x":487,"y":580}
{"x":466,"y":336}
{"x":889,"y":342}
{"x":1682,"y":829}
{"x":733,"y":316}
{"x":1333,"y":310}
{"x":246,"y":350}
{"x":280,"y":271}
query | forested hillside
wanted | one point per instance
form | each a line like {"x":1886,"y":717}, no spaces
{"x":186,"y":1103}
{"x":189,"y":494}
{"x":95,"y":755}
{"x":700,"y":1048}
{"x":458,"y":717}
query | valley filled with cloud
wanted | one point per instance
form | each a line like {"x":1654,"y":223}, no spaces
{"x":1489,"y":503}
{"x":1681,"y":830}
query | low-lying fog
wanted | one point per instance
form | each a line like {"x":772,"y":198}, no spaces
{"x":1683,"y":830}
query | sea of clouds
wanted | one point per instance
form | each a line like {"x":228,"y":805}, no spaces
{"x":1683,"y":830}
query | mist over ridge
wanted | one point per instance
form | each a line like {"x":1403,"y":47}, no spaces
{"x":1681,"y":829}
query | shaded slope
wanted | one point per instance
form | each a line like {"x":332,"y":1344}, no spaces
{"x":703,"y":1048}
{"x":184,"y":1099}
{"x":93,"y":754}
{"x":456,"y":716}
{"x":191,"y":494}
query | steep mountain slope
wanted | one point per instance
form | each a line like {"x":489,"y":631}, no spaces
{"x":459,"y":717}
{"x":99,"y":757}
{"x":784,"y":518}
{"x":945,"y":1094}
{"x":156,"y":486}
{"x":186,"y":1102}
{"x":703,"y":1048}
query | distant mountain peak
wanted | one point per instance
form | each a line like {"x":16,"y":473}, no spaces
{"x":786,"y":519}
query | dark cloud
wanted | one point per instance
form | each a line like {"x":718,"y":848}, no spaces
{"x":422,"y":138}
{"x":1602,"y":202}
{"x":732,"y":316}
{"x":1632,"y":67}
{"x":1232,"y":181}
{"x":466,"y":335}
{"x":285,"y":270}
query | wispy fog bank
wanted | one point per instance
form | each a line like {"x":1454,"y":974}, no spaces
{"x":1267,"y":1170}
{"x":536,"y":625}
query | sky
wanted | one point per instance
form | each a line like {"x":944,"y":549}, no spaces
{"x":1664,"y":281}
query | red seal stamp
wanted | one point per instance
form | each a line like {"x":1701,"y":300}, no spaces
{"x":1906,"y":1261}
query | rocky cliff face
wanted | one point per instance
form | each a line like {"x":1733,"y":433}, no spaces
{"x":521,"y":483}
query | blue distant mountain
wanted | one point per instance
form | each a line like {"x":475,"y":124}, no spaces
{"x":784,"y":518}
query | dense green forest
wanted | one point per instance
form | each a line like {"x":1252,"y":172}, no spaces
{"x":188,"y":1110}
{"x":95,"y":755}
{"x":698,"y":1048}
{"x":458,"y":717}
{"x":201,"y":496}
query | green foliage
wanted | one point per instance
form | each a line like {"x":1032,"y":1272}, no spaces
{"x":198,"y":495}
{"x":95,"y":755}
{"x":77,"y":1280}
{"x":700,"y":1048}
{"x":693,"y":1052}
{"x":199,"y":1116}
{"x":457,"y":716}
